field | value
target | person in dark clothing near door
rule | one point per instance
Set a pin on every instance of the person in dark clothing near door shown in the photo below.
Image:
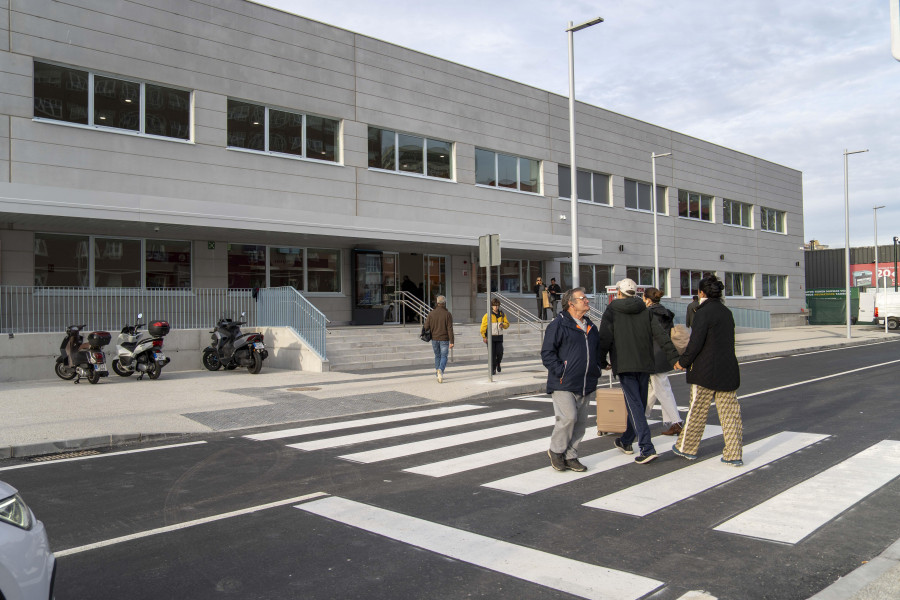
(543, 298)
(714, 375)
(571, 353)
(409, 287)
(691, 311)
(555, 293)
(627, 332)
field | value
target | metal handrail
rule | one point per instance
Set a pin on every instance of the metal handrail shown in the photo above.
(287, 307)
(408, 300)
(521, 314)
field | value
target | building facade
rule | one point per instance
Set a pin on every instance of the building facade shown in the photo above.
(189, 144)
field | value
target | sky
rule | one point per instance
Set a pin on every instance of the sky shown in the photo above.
(794, 82)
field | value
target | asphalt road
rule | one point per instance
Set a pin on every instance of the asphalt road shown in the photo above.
(231, 516)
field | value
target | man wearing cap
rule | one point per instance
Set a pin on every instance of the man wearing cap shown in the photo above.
(627, 333)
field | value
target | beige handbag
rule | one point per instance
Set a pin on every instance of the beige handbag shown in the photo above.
(546, 298)
(680, 335)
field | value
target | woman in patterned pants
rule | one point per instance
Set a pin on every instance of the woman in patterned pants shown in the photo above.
(714, 375)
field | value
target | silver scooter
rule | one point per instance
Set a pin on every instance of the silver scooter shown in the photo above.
(141, 351)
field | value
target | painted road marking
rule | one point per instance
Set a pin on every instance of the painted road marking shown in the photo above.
(549, 570)
(310, 429)
(186, 524)
(795, 513)
(481, 459)
(380, 434)
(401, 450)
(658, 493)
(105, 455)
(546, 478)
(784, 387)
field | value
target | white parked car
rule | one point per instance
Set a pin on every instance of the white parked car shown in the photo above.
(27, 566)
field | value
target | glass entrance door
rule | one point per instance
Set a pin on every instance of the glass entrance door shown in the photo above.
(390, 270)
(435, 267)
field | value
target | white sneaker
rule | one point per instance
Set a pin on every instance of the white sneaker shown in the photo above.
(440, 377)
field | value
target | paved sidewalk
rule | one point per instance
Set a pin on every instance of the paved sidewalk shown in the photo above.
(52, 416)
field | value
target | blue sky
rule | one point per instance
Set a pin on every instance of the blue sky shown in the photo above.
(792, 82)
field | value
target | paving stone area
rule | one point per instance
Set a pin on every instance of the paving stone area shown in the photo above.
(289, 407)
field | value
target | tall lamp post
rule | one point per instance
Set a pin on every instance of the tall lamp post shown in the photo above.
(576, 268)
(847, 234)
(875, 220)
(896, 241)
(653, 157)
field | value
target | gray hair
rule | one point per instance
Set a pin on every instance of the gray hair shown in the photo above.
(567, 297)
(441, 300)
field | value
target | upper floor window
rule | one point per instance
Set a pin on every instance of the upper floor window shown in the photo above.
(692, 205)
(257, 127)
(771, 219)
(644, 276)
(690, 282)
(739, 285)
(86, 98)
(774, 286)
(737, 213)
(393, 151)
(592, 187)
(638, 197)
(512, 172)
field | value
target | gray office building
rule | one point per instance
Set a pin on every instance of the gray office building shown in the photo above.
(225, 144)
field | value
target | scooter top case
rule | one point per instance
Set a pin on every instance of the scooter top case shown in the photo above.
(98, 339)
(159, 328)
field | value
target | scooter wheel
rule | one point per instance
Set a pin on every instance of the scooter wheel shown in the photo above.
(120, 371)
(211, 361)
(255, 363)
(94, 377)
(153, 371)
(64, 371)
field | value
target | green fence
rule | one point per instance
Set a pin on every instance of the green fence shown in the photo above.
(828, 306)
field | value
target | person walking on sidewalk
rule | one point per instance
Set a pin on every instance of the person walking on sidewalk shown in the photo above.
(440, 323)
(571, 354)
(714, 375)
(499, 322)
(627, 332)
(659, 380)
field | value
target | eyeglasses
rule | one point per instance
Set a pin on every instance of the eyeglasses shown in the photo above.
(585, 298)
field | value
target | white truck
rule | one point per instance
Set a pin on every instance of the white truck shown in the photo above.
(887, 306)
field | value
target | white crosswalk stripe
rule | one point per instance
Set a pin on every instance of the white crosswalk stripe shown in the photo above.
(658, 493)
(792, 515)
(542, 568)
(380, 434)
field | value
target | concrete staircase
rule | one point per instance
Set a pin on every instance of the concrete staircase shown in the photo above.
(387, 347)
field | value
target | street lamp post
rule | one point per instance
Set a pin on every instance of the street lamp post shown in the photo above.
(896, 240)
(875, 219)
(576, 275)
(847, 235)
(653, 157)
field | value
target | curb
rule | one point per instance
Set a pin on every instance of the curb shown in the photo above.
(90, 443)
(862, 583)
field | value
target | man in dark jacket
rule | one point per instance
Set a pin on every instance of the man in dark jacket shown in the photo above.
(571, 354)
(627, 332)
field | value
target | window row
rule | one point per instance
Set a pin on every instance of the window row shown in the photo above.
(305, 269)
(506, 171)
(511, 277)
(404, 153)
(264, 129)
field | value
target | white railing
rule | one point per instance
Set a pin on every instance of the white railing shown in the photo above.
(286, 307)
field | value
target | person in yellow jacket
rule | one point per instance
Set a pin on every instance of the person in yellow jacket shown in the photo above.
(499, 322)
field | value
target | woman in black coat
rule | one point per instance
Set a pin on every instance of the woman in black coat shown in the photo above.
(714, 375)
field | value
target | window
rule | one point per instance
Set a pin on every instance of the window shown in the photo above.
(593, 278)
(638, 197)
(774, 286)
(510, 277)
(694, 206)
(246, 266)
(84, 98)
(690, 282)
(644, 276)
(405, 153)
(263, 129)
(324, 270)
(286, 267)
(592, 187)
(511, 172)
(739, 285)
(771, 219)
(105, 262)
(737, 213)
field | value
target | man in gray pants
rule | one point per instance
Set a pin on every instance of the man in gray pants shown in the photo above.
(571, 353)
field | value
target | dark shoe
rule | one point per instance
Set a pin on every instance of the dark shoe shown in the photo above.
(557, 460)
(626, 449)
(675, 429)
(498, 368)
(683, 454)
(573, 465)
(645, 458)
(733, 463)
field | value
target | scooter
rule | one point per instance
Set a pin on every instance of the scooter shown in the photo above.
(230, 348)
(141, 351)
(78, 359)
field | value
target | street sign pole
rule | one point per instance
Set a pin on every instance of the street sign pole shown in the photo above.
(489, 256)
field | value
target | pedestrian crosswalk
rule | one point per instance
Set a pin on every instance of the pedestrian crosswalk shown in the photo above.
(467, 439)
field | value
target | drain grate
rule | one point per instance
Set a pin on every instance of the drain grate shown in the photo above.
(78, 454)
(304, 389)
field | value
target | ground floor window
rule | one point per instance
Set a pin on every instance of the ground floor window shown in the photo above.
(255, 265)
(62, 260)
(510, 277)
(690, 282)
(739, 285)
(593, 278)
(644, 276)
(774, 286)
(324, 270)
(246, 266)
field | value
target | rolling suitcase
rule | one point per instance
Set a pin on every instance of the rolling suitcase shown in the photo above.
(612, 416)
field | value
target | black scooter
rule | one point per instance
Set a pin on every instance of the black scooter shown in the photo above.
(230, 348)
(78, 359)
